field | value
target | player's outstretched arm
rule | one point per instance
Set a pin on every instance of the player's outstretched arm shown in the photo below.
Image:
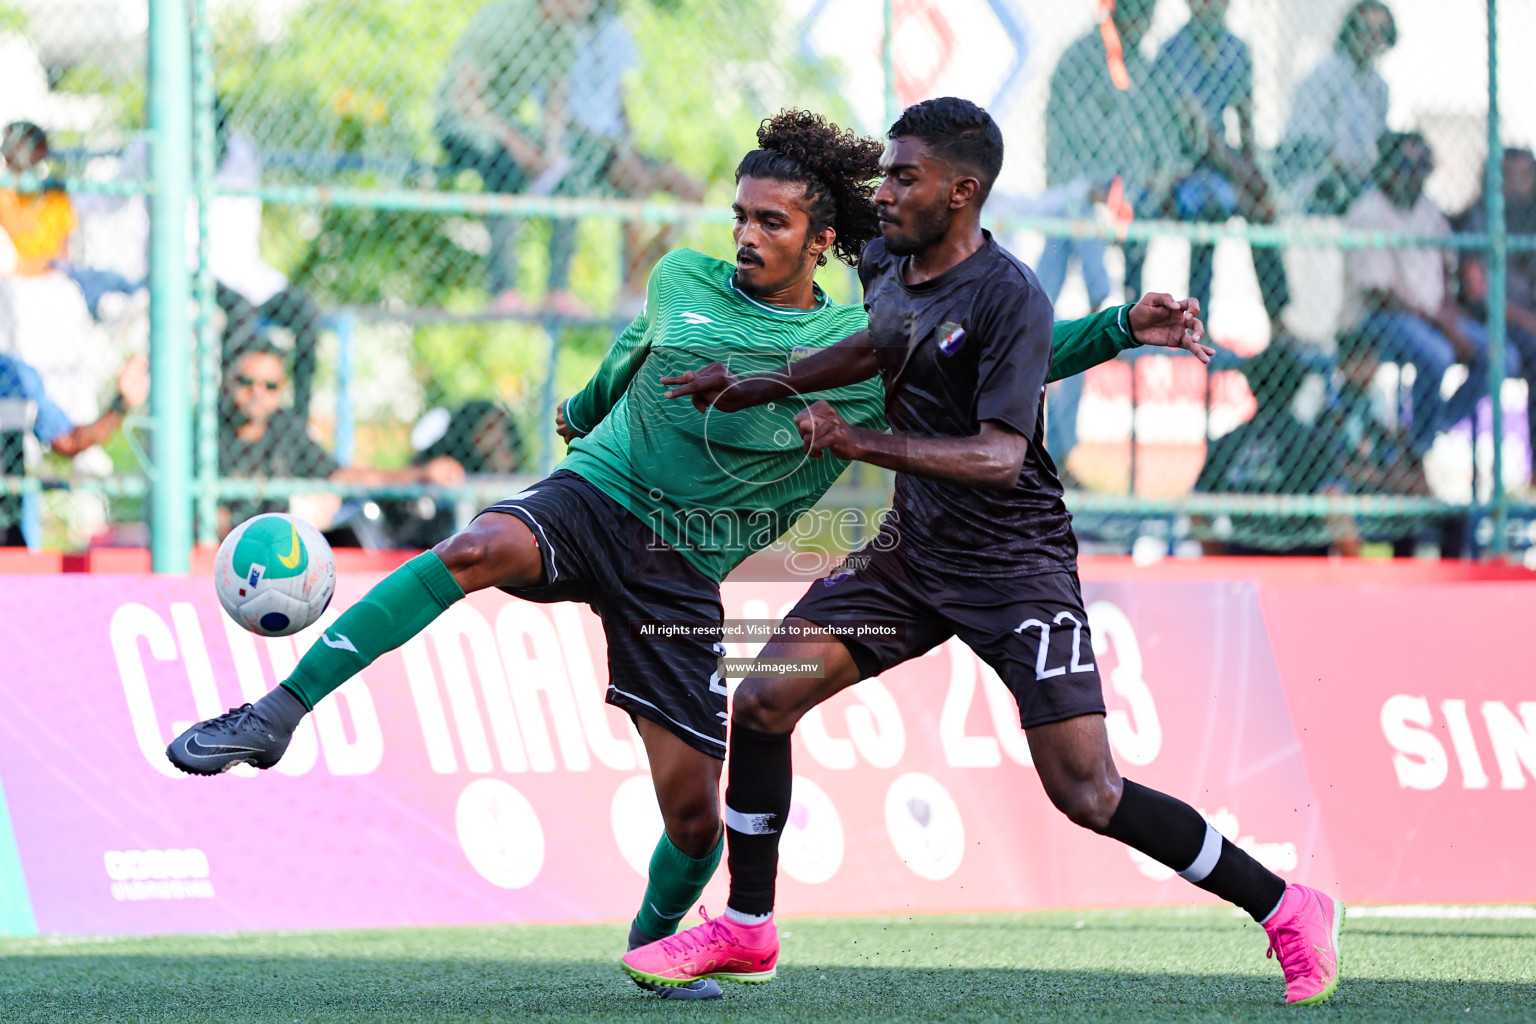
(991, 458)
(715, 386)
(1158, 319)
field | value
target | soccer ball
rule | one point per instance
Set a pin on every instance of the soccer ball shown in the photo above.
(274, 574)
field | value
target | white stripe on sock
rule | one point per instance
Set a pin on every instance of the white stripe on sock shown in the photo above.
(1205, 861)
(749, 824)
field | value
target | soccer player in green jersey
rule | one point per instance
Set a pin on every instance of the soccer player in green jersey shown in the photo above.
(655, 504)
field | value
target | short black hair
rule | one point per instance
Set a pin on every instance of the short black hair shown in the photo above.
(19, 133)
(1354, 24)
(837, 167)
(1389, 154)
(257, 346)
(959, 133)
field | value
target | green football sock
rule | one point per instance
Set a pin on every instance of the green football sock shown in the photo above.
(403, 604)
(677, 881)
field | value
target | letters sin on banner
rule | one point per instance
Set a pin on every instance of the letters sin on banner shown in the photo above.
(476, 776)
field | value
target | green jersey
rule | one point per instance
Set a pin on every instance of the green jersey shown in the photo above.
(719, 486)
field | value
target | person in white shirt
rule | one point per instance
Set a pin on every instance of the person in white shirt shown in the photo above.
(1340, 111)
(1400, 298)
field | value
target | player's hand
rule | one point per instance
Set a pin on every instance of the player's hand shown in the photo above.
(561, 427)
(822, 428)
(133, 381)
(1161, 320)
(708, 387)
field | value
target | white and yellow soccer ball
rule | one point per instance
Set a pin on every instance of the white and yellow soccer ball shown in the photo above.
(274, 574)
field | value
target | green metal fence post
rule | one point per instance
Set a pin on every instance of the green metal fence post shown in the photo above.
(888, 65)
(1498, 266)
(170, 129)
(209, 350)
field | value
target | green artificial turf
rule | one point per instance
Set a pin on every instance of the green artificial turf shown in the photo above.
(1142, 965)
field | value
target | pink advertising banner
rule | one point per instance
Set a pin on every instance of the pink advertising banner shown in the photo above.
(1376, 741)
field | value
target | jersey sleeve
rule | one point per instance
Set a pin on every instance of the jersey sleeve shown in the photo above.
(586, 409)
(50, 423)
(1015, 326)
(1077, 345)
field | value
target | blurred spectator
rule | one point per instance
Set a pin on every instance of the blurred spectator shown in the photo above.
(1206, 71)
(39, 223)
(481, 436)
(1301, 442)
(250, 291)
(1103, 121)
(502, 111)
(1340, 111)
(26, 408)
(263, 439)
(44, 321)
(1520, 276)
(1399, 298)
(1285, 448)
(601, 134)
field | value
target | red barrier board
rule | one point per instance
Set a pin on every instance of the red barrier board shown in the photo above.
(1376, 741)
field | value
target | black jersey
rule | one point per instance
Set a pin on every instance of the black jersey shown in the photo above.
(971, 345)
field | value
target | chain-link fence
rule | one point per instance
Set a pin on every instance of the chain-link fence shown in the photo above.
(416, 227)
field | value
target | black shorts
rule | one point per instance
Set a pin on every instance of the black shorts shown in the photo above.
(1032, 630)
(597, 552)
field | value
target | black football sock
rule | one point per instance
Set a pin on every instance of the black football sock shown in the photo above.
(1174, 834)
(756, 808)
(281, 709)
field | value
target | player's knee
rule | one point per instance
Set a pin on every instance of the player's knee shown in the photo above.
(462, 552)
(1089, 805)
(695, 827)
(755, 707)
(488, 554)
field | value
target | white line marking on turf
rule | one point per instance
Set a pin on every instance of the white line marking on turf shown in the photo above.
(1493, 913)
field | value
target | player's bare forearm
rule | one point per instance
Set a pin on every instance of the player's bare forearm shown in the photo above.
(82, 437)
(991, 458)
(848, 362)
(714, 386)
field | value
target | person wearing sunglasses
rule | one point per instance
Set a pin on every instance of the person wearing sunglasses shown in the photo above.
(261, 437)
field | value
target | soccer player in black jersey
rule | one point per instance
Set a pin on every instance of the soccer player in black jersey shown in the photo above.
(979, 546)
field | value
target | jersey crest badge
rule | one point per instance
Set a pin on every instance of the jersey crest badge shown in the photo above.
(951, 337)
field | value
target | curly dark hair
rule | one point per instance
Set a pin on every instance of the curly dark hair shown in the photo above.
(837, 167)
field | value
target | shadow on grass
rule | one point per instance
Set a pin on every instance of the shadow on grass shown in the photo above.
(141, 988)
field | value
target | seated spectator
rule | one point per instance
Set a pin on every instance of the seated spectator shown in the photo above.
(481, 436)
(1206, 72)
(1399, 297)
(39, 223)
(44, 321)
(501, 112)
(1520, 275)
(1340, 111)
(25, 407)
(263, 439)
(1300, 444)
